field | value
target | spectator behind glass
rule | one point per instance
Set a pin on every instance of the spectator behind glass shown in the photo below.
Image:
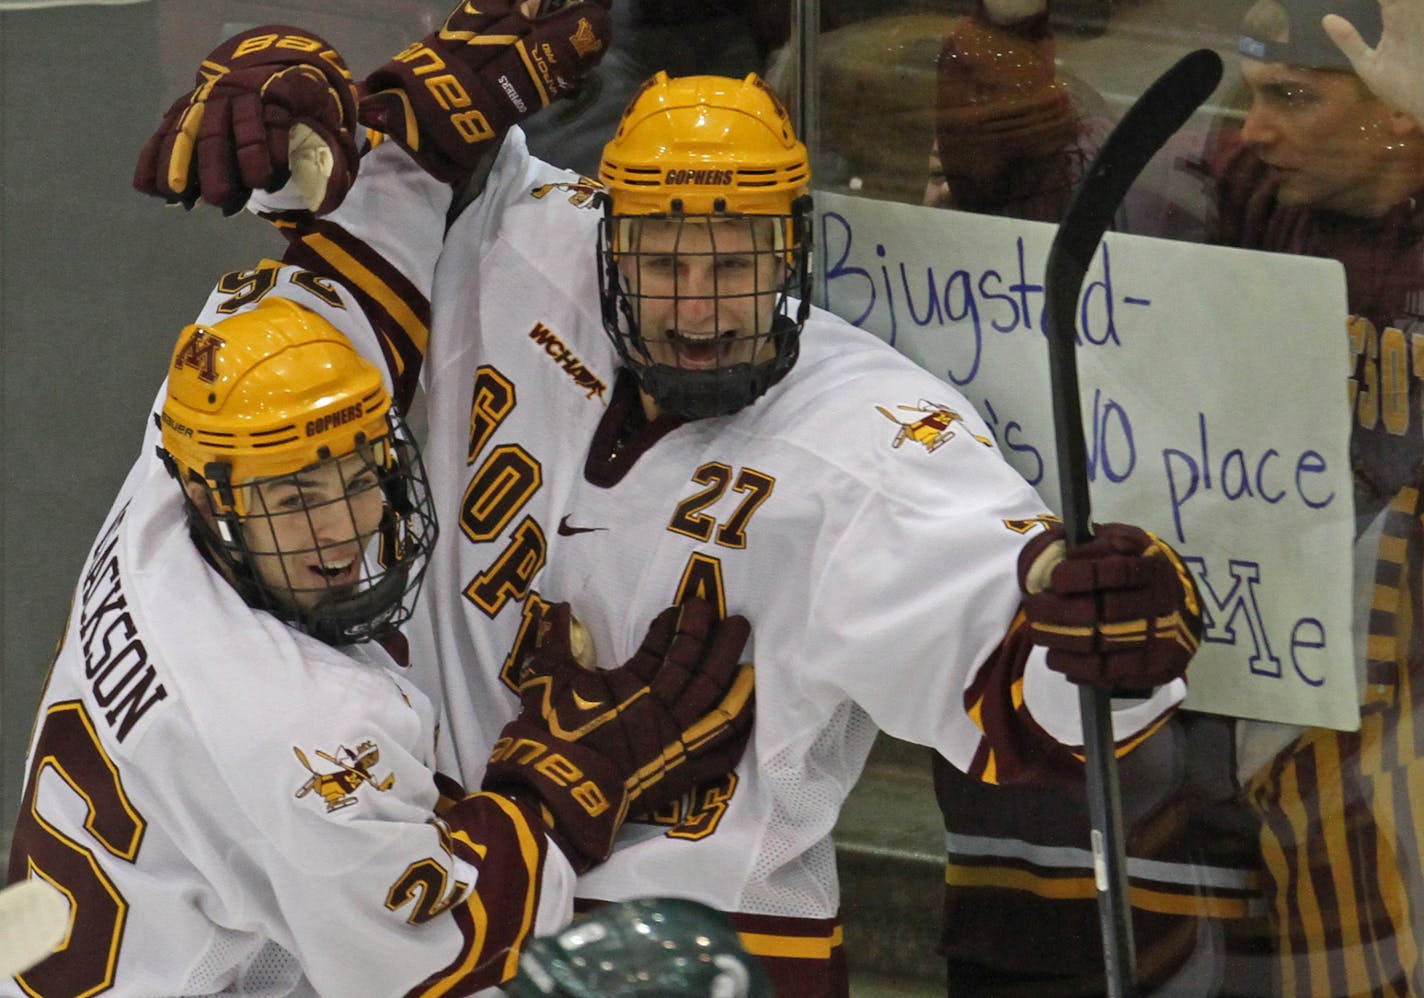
(1321, 166)
(1326, 168)
(1012, 135)
(876, 103)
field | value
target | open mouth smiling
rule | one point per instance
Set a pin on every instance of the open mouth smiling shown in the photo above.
(336, 572)
(700, 350)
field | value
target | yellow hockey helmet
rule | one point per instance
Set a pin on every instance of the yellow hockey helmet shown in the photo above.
(264, 393)
(705, 144)
(277, 398)
(689, 153)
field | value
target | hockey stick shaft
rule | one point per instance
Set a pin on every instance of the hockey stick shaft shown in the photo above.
(1161, 110)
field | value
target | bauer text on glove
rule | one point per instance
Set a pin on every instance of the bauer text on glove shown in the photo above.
(258, 95)
(446, 97)
(592, 746)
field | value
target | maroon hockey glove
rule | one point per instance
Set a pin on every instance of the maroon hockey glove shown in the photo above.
(593, 745)
(1118, 612)
(231, 135)
(445, 97)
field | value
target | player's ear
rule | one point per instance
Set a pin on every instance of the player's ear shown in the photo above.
(202, 499)
(198, 495)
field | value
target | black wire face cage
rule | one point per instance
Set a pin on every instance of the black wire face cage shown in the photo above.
(699, 306)
(338, 549)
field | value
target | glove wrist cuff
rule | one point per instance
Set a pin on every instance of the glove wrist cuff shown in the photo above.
(580, 793)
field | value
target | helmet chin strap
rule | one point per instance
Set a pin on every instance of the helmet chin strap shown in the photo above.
(719, 392)
(333, 620)
(701, 394)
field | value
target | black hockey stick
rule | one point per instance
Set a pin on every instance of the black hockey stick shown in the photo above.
(1149, 123)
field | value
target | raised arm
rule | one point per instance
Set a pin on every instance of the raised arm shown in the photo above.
(448, 97)
(277, 103)
(272, 124)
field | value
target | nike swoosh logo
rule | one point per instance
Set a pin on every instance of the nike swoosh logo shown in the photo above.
(565, 530)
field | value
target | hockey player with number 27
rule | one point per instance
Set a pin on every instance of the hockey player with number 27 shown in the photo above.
(232, 779)
(624, 380)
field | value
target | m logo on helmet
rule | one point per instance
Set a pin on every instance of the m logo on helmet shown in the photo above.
(779, 107)
(201, 354)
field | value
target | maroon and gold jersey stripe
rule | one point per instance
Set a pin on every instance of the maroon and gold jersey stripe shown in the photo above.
(1015, 747)
(396, 309)
(504, 843)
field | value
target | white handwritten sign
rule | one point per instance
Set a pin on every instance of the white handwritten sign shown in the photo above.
(1213, 384)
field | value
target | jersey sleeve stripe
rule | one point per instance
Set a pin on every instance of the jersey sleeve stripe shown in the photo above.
(499, 839)
(1015, 746)
(398, 311)
(531, 851)
(417, 329)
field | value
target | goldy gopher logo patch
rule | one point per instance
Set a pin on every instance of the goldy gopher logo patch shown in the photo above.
(580, 192)
(339, 788)
(932, 430)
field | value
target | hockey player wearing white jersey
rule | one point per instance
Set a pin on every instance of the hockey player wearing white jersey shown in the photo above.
(625, 382)
(232, 777)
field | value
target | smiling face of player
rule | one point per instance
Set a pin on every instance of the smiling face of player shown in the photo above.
(306, 533)
(1329, 143)
(704, 290)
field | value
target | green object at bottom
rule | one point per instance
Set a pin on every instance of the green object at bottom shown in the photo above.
(668, 947)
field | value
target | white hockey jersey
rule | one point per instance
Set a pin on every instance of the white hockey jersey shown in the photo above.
(234, 807)
(858, 515)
